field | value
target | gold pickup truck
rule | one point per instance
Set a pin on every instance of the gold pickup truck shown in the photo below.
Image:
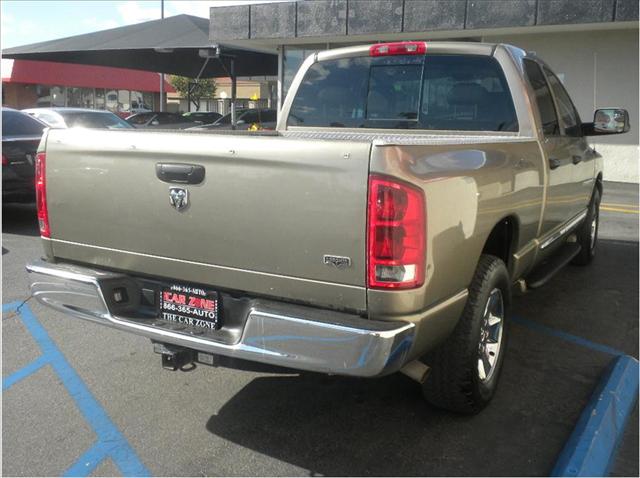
(407, 189)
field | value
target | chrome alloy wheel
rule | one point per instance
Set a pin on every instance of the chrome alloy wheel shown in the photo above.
(594, 229)
(490, 335)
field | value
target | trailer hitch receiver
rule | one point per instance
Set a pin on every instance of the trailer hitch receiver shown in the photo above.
(174, 357)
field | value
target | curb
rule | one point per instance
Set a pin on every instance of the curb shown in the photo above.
(592, 445)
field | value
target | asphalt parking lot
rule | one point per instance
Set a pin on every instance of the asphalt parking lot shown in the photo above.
(82, 399)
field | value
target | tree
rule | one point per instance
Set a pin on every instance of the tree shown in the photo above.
(192, 89)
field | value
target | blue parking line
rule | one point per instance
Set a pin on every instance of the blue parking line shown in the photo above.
(88, 461)
(10, 307)
(24, 372)
(566, 336)
(110, 443)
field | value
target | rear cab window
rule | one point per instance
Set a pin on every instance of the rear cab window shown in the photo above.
(15, 123)
(433, 92)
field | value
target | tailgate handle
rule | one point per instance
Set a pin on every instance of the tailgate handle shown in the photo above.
(180, 173)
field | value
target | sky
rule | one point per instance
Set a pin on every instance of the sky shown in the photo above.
(25, 22)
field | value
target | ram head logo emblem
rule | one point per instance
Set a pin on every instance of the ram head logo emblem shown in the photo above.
(179, 198)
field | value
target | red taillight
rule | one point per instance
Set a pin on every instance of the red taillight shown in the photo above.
(5, 160)
(399, 48)
(396, 234)
(41, 195)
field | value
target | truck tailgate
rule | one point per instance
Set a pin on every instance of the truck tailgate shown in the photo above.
(267, 212)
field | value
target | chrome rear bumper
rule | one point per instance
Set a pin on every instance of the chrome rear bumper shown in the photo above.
(275, 333)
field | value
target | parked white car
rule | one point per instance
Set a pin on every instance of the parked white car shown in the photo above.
(77, 118)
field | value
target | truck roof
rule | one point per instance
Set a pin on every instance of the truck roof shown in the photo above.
(453, 47)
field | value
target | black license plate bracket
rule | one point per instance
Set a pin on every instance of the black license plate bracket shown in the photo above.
(191, 306)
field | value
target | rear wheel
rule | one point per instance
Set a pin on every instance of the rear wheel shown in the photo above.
(466, 367)
(587, 233)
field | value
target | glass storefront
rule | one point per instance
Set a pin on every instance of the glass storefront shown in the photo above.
(87, 98)
(58, 96)
(100, 104)
(147, 101)
(136, 100)
(124, 100)
(74, 98)
(98, 98)
(112, 100)
(44, 96)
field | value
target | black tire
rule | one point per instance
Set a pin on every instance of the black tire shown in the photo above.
(583, 233)
(454, 381)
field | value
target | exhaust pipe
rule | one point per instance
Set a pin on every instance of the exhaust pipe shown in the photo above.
(416, 370)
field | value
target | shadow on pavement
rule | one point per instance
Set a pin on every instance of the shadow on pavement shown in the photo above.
(20, 219)
(345, 426)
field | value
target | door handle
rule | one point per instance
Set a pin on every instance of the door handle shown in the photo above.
(575, 159)
(554, 163)
(180, 173)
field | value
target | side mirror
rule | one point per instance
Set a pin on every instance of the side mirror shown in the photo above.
(607, 121)
(240, 122)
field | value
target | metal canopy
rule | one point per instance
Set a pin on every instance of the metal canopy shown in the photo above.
(175, 45)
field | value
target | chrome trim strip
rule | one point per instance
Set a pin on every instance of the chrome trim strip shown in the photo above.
(566, 228)
(274, 333)
(213, 266)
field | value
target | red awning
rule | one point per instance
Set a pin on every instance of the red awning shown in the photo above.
(88, 76)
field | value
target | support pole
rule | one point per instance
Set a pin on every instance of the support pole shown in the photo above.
(233, 92)
(189, 97)
(162, 74)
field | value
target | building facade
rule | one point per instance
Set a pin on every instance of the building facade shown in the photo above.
(31, 84)
(592, 45)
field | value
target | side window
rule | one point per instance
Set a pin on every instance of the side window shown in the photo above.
(140, 119)
(544, 100)
(50, 119)
(169, 119)
(251, 117)
(269, 116)
(568, 113)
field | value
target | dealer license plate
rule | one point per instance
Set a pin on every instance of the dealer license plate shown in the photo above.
(189, 305)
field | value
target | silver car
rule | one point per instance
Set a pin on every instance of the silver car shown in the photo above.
(78, 118)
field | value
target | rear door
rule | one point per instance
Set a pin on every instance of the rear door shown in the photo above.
(21, 136)
(582, 157)
(263, 218)
(563, 197)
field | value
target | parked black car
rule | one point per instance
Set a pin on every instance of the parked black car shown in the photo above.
(160, 120)
(203, 117)
(21, 135)
(246, 119)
